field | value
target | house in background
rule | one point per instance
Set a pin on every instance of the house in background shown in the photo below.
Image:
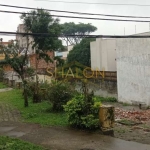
(6, 68)
(64, 54)
(103, 54)
(2, 55)
(22, 40)
(42, 64)
(22, 43)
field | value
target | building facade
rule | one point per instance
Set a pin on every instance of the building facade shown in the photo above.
(64, 54)
(22, 40)
(42, 65)
(103, 54)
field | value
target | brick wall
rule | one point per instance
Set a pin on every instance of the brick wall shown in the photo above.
(42, 65)
(7, 68)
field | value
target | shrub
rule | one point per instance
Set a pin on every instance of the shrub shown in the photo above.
(59, 93)
(42, 90)
(83, 112)
(103, 99)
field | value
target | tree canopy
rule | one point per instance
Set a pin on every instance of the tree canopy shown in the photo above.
(77, 29)
(40, 21)
(81, 53)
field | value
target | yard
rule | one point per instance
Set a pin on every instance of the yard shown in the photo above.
(7, 143)
(128, 125)
(36, 113)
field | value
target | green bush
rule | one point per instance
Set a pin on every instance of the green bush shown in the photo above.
(105, 99)
(83, 112)
(59, 93)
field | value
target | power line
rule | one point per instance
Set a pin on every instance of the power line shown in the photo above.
(104, 19)
(79, 13)
(83, 36)
(96, 3)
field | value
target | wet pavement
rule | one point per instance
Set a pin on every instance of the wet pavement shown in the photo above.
(61, 138)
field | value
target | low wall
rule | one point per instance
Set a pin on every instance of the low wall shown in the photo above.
(101, 88)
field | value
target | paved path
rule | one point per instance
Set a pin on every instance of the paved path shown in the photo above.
(60, 138)
(5, 90)
(8, 114)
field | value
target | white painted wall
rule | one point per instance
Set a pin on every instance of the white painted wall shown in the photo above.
(70, 47)
(133, 70)
(103, 54)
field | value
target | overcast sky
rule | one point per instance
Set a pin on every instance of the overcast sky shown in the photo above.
(9, 22)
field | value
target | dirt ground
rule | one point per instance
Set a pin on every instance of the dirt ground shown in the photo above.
(132, 123)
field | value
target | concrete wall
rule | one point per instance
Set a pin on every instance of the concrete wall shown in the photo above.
(133, 70)
(103, 54)
(101, 88)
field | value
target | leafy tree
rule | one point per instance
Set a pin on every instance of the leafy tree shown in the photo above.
(18, 63)
(81, 53)
(40, 21)
(76, 29)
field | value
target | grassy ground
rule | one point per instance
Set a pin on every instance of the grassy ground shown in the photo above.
(36, 113)
(7, 143)
(2, 86)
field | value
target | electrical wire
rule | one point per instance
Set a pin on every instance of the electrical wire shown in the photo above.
(96, 3)
(79, 13)
(83, 36)
(102, 19)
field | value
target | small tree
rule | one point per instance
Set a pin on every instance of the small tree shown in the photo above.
(18, 63)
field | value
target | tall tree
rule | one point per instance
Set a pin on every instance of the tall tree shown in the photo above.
(81, 53)
(76, 29)
(40, 21)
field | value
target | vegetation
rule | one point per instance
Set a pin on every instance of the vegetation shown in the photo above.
(2, 86)
(18, 63)
(105, 99)
(7, 143)
(59, 93)
(81, 53)
(76, 29)
(37, 113)
(40, 21)
(83, 112)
